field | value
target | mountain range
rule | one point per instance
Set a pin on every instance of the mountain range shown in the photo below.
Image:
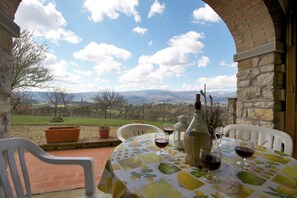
(147, 96)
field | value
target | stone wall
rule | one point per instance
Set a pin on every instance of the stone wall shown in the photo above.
(8, 30)
(257, 28)
(232, 102)
(5, 69)
(250, 22)
(259, 84)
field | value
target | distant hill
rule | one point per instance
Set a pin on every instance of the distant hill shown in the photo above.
(148, 96)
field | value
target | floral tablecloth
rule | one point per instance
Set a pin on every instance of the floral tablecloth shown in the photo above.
(134, 170)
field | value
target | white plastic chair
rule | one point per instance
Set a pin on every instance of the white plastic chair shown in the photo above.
(270, 138)
(131, 130)
(10, 147)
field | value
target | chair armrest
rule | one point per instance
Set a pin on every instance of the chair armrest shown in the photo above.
(85, 162)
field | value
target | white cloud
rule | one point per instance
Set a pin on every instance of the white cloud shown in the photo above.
(44, 20)
(230, 65)
(59, 70)
(105, 56)
(167, 62)
(203, 61)
(189, 87)
(67, 76)
(217, 83)
(111, 9)
(100, 80)
(233, 65)
(205, 14)
(151, 43)
(140, 31)
(156, 8)
(223, 63)
(82, 73)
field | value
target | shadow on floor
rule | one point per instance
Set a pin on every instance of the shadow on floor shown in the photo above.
(69, 193)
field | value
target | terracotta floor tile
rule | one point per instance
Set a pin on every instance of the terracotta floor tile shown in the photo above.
(47, 177)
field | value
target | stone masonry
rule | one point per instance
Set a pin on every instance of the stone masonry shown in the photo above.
(258, 85)
(8, 29)
(232, 102)
(4, 93)
(258, 30)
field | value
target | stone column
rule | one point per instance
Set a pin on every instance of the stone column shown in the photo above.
(8, 30)
(259, 81)
(5, 68)
(232, 110)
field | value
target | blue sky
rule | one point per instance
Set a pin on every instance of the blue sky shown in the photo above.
(127, 45)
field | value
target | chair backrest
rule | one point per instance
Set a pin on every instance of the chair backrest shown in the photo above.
(9, 163)
(270, 138)
(131, 130)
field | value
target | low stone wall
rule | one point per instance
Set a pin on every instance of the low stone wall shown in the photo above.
(108, 142)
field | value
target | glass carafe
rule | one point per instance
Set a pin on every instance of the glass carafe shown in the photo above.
(196, 136)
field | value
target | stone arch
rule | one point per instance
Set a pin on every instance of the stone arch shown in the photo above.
(259, 31)
(250, 22)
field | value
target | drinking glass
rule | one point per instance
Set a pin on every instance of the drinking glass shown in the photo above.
(219, 134)
(161, 141)
(210, 160)
(168, 128)
(245, 149)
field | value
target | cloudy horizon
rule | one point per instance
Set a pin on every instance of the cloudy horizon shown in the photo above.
(132, 45)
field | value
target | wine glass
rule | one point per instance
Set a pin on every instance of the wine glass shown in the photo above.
(219, 134)
(168, 128)
(245, 149)
(161, 141)
(210, 160)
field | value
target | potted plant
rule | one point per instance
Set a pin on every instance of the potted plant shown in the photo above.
(104, 131)
(62, 134)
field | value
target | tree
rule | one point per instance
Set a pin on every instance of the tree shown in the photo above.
(27, 69)
(66, 98)
(21, 100)
(107, 99)
(54, 98)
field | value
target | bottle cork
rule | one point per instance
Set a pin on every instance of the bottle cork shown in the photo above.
(197, 103)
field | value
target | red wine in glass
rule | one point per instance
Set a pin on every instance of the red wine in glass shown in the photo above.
(168, 130)
(244, 152)
(210, 162)
(244, 149)
(161, 143)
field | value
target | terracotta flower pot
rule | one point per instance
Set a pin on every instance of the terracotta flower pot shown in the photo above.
(104, 132)
(62, 134)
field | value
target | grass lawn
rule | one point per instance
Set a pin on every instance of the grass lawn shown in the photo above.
(32, 127)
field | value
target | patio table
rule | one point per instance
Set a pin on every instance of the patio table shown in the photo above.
(135, 170)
